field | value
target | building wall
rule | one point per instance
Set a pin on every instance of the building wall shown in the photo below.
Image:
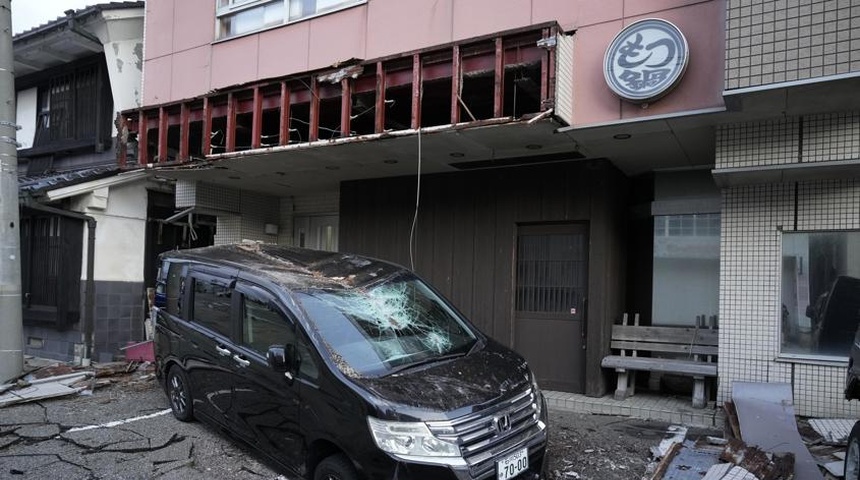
(180, 46)
(465, 237)
(774, 41)
(753, 219)
(26, 103)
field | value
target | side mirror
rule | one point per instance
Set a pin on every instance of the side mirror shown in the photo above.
(282, 358)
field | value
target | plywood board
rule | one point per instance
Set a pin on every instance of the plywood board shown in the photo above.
(767, 420)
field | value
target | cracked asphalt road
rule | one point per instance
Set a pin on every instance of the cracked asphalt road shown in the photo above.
(125, 431)
(49, 439)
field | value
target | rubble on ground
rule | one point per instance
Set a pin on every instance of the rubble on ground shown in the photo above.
(43, 380)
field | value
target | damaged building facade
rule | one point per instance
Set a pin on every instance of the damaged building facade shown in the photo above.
(87, 247)
(548, 166)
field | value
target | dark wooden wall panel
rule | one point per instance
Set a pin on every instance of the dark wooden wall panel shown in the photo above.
(466, 236)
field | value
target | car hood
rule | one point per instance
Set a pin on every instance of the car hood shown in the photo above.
(469, 382)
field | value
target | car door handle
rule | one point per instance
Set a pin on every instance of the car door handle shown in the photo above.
(222, 351)
(241, 361)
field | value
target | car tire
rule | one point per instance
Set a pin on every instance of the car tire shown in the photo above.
(179, 394)
(852, 455)
(335, 467)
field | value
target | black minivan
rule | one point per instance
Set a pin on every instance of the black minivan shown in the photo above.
(342, 367)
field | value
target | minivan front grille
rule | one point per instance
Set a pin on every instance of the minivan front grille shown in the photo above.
(484, 435)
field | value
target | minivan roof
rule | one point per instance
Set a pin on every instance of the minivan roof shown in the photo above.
(293, 268)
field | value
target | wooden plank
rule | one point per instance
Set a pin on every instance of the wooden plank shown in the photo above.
(162, 135)
(231, 123)
(688, 335)
(685, 367)
(684, 348)
(142, 140)
(314, 133)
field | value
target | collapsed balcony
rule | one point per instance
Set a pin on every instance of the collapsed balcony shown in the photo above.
(497, 79)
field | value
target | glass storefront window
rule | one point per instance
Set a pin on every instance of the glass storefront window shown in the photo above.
(686, 268)
(820, 292)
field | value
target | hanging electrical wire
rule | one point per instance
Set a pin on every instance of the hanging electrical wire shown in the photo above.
(417, 195)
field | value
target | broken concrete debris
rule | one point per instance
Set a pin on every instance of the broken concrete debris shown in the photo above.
(58, 380)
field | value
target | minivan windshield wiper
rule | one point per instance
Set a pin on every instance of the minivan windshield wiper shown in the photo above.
(422, 362)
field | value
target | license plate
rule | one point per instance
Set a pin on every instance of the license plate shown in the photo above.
(513, 465)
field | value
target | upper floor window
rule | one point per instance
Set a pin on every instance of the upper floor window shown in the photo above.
(237, 17)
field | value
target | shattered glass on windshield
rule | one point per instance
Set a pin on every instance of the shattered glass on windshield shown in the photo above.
(387, 326)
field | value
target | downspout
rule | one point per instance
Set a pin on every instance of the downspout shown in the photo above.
(89, 296)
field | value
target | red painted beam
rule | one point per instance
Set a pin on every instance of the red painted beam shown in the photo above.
(284, 135)
(456, 85)
(231, 123)
(345, 107)
(162, 135)
(184, 116)
(257, 119)
(314, 133)
(122, 139)
(206, 146)
(379, 114)
(499, 80)
(416, 91)
(142, 134)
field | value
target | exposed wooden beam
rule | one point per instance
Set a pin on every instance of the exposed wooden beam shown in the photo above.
(379, 114)
(345, 107)
(544, 73)
(416, 91)
(230, 145)
(122, 138)
(284, 135)
(162, 135)
(206, 138)
(257, 119)
(314, 133)
(499, 82)
(184, 134)
(142, 134)
(456, 84)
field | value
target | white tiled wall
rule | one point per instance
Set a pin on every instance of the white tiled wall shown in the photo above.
(752, 220)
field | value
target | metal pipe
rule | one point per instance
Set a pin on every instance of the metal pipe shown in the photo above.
(89, 296)
(11, 326)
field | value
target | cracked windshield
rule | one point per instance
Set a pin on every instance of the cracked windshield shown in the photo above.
(383, 328)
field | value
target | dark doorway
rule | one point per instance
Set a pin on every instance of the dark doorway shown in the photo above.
(550, 302)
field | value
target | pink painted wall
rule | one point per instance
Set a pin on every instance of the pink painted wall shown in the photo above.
(181, 60)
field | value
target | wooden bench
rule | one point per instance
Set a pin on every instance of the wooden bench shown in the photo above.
(693, 353)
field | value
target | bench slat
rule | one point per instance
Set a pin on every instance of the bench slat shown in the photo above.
(682, 335)
(665, 347)
(669, 365)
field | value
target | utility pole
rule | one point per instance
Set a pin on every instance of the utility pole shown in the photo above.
(11, 328)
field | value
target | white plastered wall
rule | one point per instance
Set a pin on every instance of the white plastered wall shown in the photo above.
(120, 214)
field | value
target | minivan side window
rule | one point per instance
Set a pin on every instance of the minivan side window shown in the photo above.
(263, 325)
(212, 305)
(174, 289)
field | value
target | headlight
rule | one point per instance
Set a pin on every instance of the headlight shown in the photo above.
(406, 438)
(538, 399)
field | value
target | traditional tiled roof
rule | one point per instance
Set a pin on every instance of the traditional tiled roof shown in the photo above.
(80, 13)
(33, 185)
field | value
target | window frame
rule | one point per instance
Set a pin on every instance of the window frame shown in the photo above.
(798, 357)
(224, 12)
(190, 286)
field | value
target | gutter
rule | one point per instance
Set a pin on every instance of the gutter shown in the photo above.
(89, 297)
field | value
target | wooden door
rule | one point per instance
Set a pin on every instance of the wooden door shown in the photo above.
(550, 302)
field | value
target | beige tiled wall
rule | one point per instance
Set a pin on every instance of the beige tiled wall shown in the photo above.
(774, 41)
(753, 219)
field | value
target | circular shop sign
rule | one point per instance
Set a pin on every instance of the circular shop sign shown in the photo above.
(645, 60)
